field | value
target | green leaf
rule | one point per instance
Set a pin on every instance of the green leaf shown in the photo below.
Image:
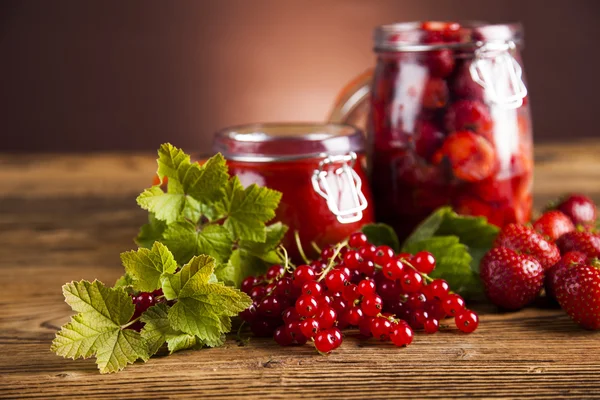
(429, 226)
(209, 185)
(240, 266)
(147, 266)
(453, 263)
(266, 250)
(185, 241)
(382, 234)
(97, 329)
(150, 232)
(248, 210)
(124, 281)
(184, 341)
(173, 283)
(165, 206)
(203, 307)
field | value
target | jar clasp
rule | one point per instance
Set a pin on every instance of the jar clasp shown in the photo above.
(341, 187)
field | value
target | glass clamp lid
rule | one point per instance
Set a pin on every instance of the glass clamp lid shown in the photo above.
(341, 187)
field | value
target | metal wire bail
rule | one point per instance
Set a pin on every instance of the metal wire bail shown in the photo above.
(334, 183)
(493, 67)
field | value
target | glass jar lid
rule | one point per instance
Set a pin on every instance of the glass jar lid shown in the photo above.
(287, 141)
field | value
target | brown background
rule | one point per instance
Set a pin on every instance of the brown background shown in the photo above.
(128, 75)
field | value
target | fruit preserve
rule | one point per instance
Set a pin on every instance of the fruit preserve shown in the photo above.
(449, 123)
(317, 168)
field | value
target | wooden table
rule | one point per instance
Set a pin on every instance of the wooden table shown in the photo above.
(67, 217)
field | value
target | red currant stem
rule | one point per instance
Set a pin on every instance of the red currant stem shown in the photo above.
(300, 249)
(391, 318)
(288, 266)
(239, 331)
(316, 247)
(162, 296)
(425, 276)
(336, 252)
(133, 321)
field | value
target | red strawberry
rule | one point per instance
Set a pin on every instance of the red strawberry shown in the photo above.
(471, 156)
(581, 209)
(553, 224)
(569, 260)
(511, 280)
(585, 242)
(523, 239)
(578, 293)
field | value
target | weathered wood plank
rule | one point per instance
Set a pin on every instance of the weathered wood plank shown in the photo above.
(67, 217)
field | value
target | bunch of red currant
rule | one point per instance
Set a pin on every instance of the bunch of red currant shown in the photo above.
(355, 284)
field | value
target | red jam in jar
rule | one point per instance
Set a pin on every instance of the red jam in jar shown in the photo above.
(449, 123)
(317, 168)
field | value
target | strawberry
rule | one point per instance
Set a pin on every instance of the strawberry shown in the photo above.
(523, 239)
(581, 209)
(569, 260)
(511, 280)
(553, 224)
(585, 242)
(578, 293)
(472, 158)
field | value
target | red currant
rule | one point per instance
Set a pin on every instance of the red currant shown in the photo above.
(307, 305)
(416, 301)
(435, 309)
(284, 287)
(367, 268)
(352, 259)
(453, 304)
(269, 306)
(290, 314)
(249, 314)
(366, 287)
(424, 262)
(294, 331)
(327, 317)
(354, 315)
(325, 341)
(264, 327)
(337, 336)
(258, 292)
(309, 327)
(303, 274)
(467, 321)
(371, 305)
(312, 288)
(383, 254)
(327, 253)
(431, 325)
(418, 318)
(393, 269)
(367, 252)
(274, 272)
(402, 334)
(389, 290)
(282, 336)
(380, 328)
(357, 239)
(339, 305)
(439, 288)
(336, 280)
(365, 326)
(248, 284)
(350, 293)
(411, 281)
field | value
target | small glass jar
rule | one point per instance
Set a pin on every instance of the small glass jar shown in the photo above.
(318, 168)
(449, 122)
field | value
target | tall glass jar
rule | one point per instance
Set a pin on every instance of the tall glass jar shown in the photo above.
(318, 168)
(449, 122)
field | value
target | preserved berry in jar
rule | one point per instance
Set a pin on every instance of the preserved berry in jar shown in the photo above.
(318, 168)
(449, 123)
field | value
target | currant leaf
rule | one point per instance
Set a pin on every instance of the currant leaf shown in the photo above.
(146, 266)
(185, 241)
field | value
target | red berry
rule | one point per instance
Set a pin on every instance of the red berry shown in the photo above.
(352, 259)
(553, 224)
(142, 302)
(274, 272)
(578, 293)
(339, 305)
(367, 268)
(366, 287)
(312, 288)
(569, 260)
(295, 332)
(367, 252)
(325, 341)
(249, 314)
(248, 284)
(453, 304)
(431, 325)
(471, 157)
(467, 321)
(303, 274)
(411, 281)
(327, 317)
(424, 262)
(418, 318)
(401, 334)
(327, 253)
(439, 288)
(284, 287)
(468, 115)
(365, 326)
(382, 255)
(435, 94)
(371, 305)
(337, 336)
(585, 242)
(525, 240)
(435, 309)
(290, 314)
(307, 306)
(264, 327)
(511, 280)
(393, 269)
(350, 293)
(258, 292)
(581, 209)
(354, 315)
(389, 290)
(282, 336)
(269, 306)
(357, 240)
(309, 327)
(381, 328)
(428, 139)
(416, 301)
(440, 62)
(336, 280)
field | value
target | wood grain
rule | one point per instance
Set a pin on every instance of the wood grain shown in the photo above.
(67, 217)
